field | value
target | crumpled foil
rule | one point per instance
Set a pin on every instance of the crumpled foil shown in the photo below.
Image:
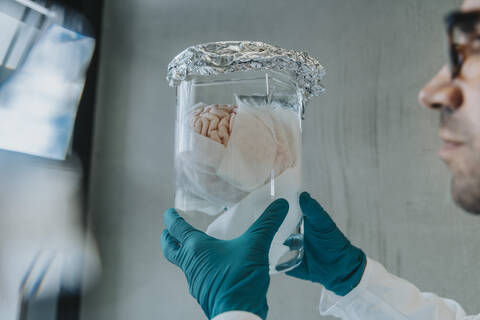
(231, 56)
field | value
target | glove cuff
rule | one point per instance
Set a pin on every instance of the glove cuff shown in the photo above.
(260, 308)
(242, 296)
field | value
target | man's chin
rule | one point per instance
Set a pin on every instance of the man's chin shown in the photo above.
(466, 196)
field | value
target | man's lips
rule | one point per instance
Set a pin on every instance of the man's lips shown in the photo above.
(450, 144)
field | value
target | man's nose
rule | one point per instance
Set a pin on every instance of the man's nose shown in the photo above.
(441, 92)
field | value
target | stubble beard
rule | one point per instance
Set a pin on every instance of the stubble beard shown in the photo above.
(465, 188)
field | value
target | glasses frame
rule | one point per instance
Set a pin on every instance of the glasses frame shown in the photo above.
(466, 22)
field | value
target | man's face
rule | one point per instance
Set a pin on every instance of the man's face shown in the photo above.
(458, 102)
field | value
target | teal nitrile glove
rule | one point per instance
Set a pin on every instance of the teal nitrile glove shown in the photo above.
(225, 275)
(329, 258)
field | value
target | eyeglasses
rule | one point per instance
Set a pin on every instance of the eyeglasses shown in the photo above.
(463, 29)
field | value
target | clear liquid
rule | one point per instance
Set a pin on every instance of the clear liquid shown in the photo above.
(293, 257)
(225, 190)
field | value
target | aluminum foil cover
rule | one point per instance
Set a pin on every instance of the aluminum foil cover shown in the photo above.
(231, 56)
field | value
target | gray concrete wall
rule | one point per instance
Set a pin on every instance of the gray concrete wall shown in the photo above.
(370, 150)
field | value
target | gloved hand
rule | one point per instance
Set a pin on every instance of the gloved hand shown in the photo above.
(329, 258)
(225, 275)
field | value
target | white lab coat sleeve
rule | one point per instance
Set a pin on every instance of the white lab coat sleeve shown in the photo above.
(237, 315)
(381, 295)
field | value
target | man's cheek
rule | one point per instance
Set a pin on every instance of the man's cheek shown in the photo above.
(467, 159)
(471, 70)
(475, 152)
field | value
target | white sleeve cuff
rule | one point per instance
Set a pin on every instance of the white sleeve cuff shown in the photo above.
(334, 305)
(237, 315)
(382, 295)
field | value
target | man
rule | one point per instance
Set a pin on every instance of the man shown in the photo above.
(230, 278)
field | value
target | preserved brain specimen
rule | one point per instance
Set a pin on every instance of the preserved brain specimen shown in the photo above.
(214, 122)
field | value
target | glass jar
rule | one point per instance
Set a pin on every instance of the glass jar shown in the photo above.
(239, 147)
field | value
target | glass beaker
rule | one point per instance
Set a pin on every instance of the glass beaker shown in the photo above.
(238, 147)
